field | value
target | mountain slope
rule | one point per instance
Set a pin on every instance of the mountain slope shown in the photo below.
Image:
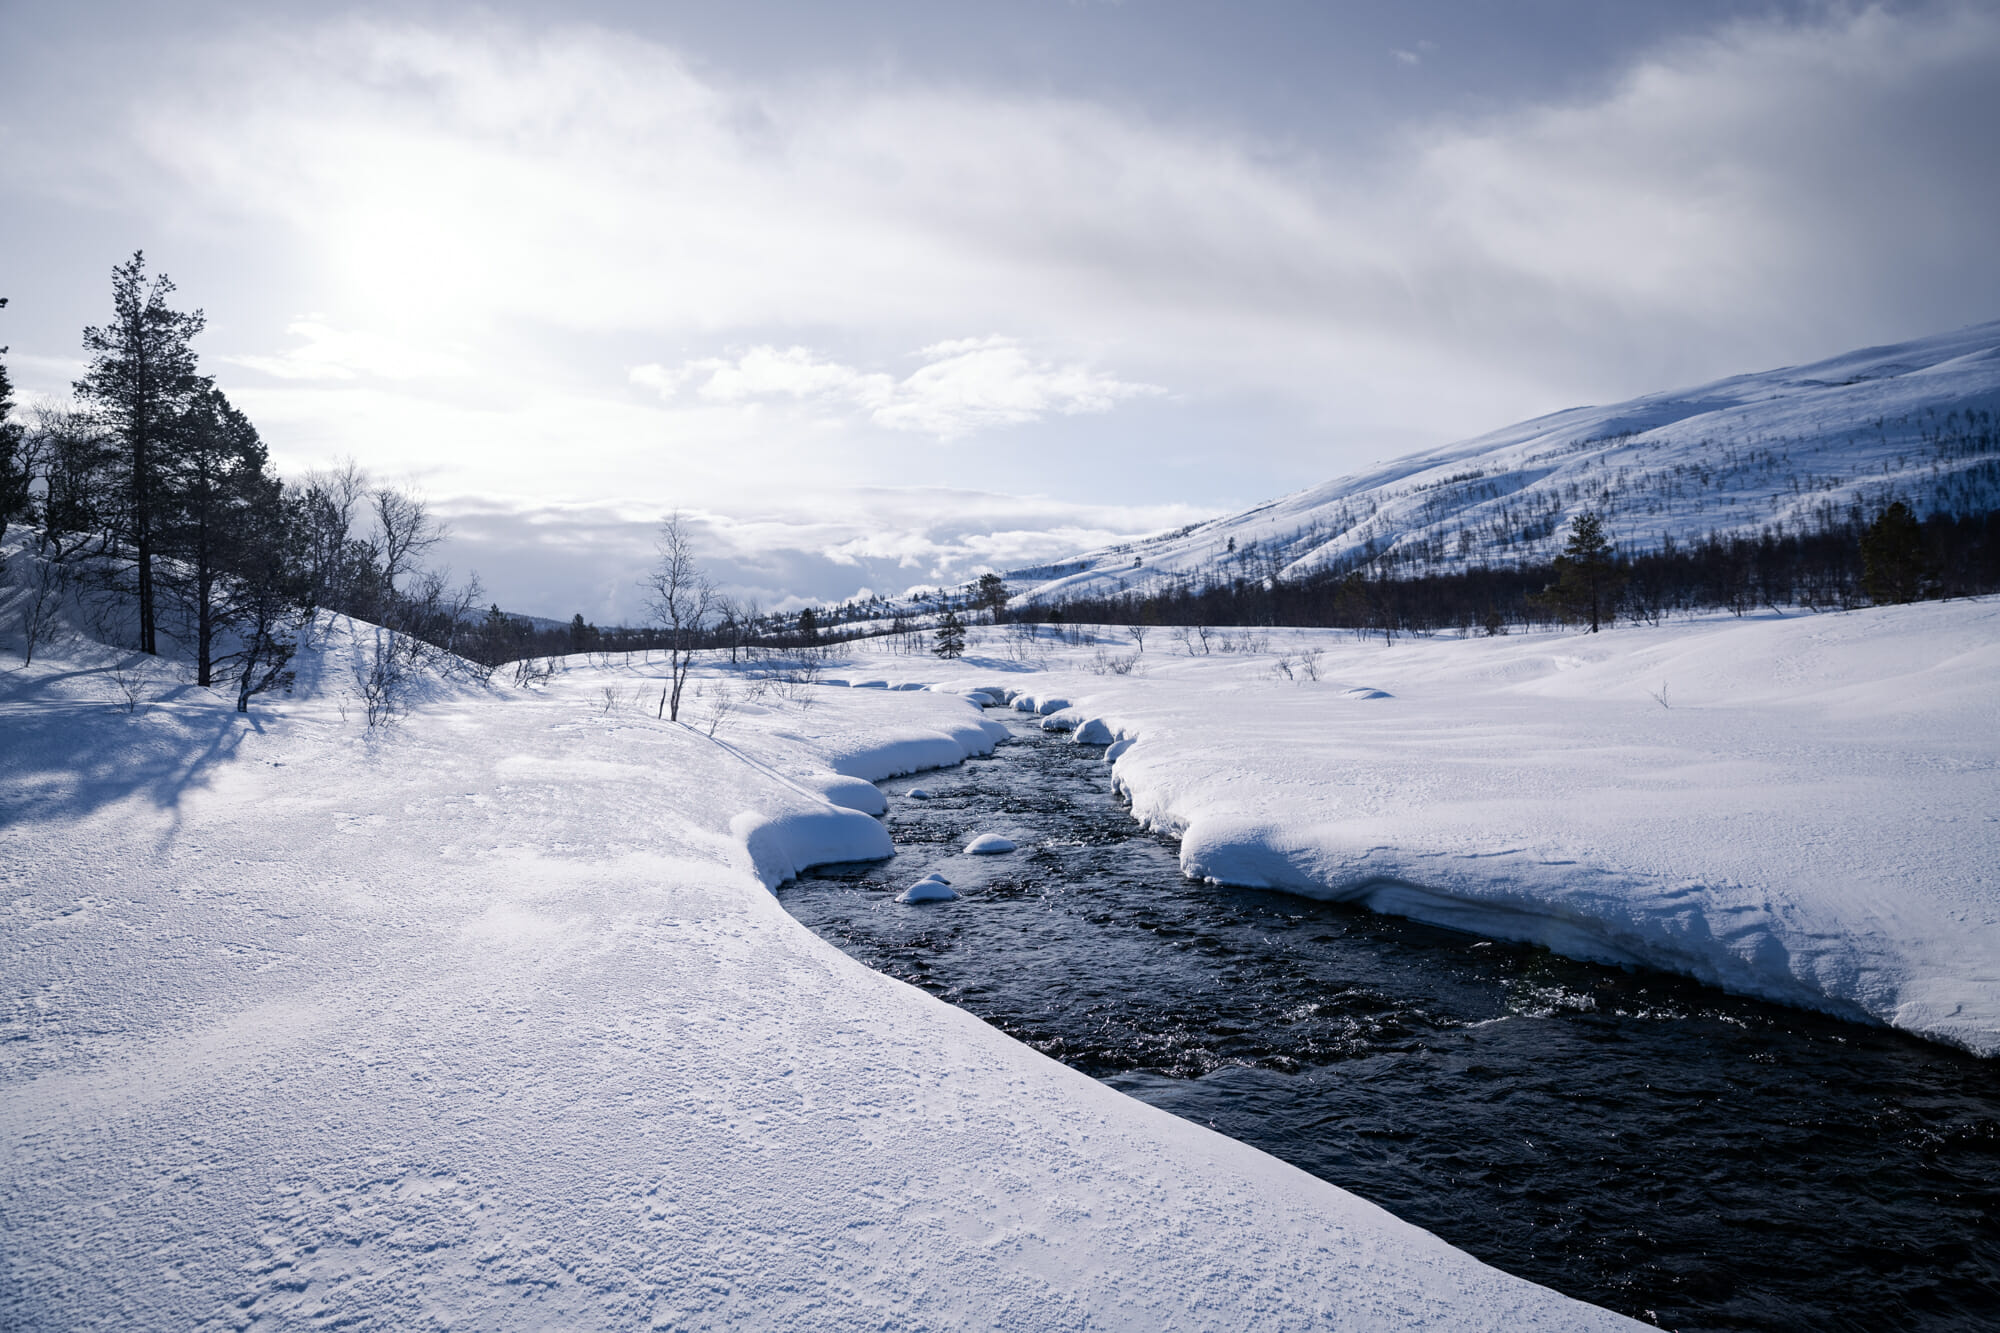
(1793, 449)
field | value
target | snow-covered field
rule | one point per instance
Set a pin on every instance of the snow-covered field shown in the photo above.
(487, 1020)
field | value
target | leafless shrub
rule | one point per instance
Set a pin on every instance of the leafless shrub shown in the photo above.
(382, 677)
(129, 688)
(533, 671)
(1309, 663)
(719, 701)
(682, 602)
(44, 585)
(1105, 664)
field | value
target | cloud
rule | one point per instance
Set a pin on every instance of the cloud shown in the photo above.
(561, 262)
(964, 385)
(558, 560)
(327, 353)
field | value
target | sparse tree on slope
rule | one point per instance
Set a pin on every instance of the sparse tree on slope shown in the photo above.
(1587, 580)
(13, 453)
(1892, 557)
(949, 636)
(141, 379)
(216, 479)
(271, 604)
(681, 601)
(405, 528)
(991, 593)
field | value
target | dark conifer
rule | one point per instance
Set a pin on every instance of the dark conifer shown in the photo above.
(271, 607)
(13, 457)
(140, 382)
(1892, 557)
(949, 636)
(1586, 586)
(215, 478)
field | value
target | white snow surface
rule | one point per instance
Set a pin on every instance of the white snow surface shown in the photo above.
(1913, 421)
(929, 889)
(488, 1020)
(1801, 807)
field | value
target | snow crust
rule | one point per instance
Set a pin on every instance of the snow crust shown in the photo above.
(488, 1021)
(1803, 807)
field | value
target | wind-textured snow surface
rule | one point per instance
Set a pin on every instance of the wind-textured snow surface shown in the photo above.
(1805, 807)
(487, 1020)
(1785, 449)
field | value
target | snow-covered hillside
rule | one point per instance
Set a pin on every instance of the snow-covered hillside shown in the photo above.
(1790, 448)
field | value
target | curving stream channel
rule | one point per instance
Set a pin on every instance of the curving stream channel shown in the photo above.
(1684, 1156)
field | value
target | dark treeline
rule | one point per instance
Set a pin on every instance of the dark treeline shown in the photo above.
(1824, 569)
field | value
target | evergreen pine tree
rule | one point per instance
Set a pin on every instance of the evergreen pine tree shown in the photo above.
(13, 459)
(949, 635)
(1587, 580)
(271, 606)
(215, 479)
(991, 593)
(140, 381)
(1892, 557)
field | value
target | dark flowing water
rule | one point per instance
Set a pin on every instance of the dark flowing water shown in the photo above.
(1652, 1145)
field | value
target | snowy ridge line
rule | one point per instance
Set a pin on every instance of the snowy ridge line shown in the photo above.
(1787, 449)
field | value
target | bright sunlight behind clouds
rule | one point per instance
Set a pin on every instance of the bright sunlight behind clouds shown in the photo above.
(549, 267)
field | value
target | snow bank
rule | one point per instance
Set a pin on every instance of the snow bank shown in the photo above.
(1805, 808)
(1093, 732)
(487, 1021)
(780, 846)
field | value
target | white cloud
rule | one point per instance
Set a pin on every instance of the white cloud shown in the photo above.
(964, 385)
(558, 560)
(327, 353)
(508, 228)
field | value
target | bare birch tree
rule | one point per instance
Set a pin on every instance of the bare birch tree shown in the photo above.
(681, 602)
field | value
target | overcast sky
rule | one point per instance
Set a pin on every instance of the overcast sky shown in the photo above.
(889, 293)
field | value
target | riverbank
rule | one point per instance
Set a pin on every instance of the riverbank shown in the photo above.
(488, 1019)
(1802, 808)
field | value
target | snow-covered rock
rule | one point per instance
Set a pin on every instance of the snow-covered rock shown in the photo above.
(1093, 732)
(929, 889)
(989, 844)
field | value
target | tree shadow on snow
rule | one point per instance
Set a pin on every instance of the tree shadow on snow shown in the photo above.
(65, 759)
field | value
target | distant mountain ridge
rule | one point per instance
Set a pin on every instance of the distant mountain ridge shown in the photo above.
(1787, 450)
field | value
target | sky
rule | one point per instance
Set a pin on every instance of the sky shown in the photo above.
(888, 294)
